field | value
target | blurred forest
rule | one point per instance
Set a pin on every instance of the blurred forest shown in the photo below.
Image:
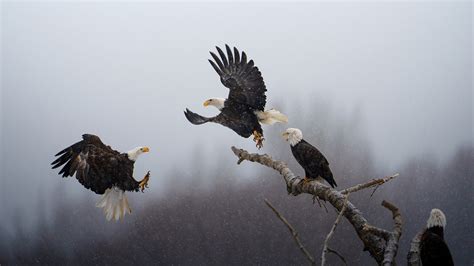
(210, 216)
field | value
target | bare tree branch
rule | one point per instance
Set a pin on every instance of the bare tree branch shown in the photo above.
(293, 232)
(373, 243)
(372, 183)
(394, 236)
(375, 189)
(328, 237)
(382, 233)
(413, 256)
(337, 254)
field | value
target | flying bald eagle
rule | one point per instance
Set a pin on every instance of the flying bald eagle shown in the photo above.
(433, 249)
(243, 110)
(311, 159)
(103, 170)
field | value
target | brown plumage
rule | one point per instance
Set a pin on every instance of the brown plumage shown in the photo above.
(97, 166)
(246, 95)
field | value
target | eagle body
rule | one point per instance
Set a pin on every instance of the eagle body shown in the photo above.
(433, 249)
(103, 170)
(313, 162)
(107, 170)
(97, 166)
(244, 108)
(240, 118)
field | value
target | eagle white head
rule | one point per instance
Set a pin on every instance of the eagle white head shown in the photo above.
(134, 153)
(437, 218)
(293, 136)
(216, 102)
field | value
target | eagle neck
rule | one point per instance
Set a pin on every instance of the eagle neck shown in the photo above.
(295, 140)
(437, 230)
(132, 155)
(219, 103)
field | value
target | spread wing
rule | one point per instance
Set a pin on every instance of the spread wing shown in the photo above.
(243, 79)
(239, 118)
(96, 166)
(196, 119)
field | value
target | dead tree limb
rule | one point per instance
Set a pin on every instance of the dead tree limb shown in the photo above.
(394, 236)
(374, 182)
(413, 257)
(293, 232)
(337, 254)
(374, 243)
(331, 232)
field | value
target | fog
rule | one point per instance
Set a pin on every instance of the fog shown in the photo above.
(389, 81)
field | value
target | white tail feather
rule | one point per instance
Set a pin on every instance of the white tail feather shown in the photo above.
(114, 202)
(271, 117)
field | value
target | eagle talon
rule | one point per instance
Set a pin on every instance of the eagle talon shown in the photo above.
(258, 138)
(144, 183)
(306, 180)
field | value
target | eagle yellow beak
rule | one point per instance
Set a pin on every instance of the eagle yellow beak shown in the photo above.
(146, 149)
(206, 103)
(285, 135)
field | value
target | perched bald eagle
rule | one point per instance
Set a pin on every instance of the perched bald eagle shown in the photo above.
(433, 249)
(311, 159)
(103, 170)
(243, 110)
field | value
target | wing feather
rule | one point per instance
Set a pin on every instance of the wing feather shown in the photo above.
(196, 119)
(236, 56)
(244, 80)
(216, 68)
(434, 250)
(244, 59)
(218, 61)
(313, 161)
(229, 55)
(223, 57)
(91, 161)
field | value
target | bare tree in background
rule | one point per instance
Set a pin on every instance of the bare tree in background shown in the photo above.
(381, 244)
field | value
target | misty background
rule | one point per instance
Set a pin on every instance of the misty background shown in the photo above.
(380, 88)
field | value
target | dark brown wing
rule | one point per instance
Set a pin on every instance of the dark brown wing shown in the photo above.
(242, 78)
(240, 118)
(434, 251)
(313, 162)
(196, 119)
(96, 166)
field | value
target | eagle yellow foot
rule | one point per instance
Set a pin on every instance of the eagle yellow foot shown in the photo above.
(258, 138)
(144, 183)
(306, 180)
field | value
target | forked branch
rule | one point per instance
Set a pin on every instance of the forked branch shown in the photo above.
(326, 248)
(381, 244)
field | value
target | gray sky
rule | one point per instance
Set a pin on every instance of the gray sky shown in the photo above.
(126, 71)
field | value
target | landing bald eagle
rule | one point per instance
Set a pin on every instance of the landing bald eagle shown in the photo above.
(311, 159)
(243, 110)
(103, 170)
(433, 249)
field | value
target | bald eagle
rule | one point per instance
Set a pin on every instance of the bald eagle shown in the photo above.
(103, 170)
(243, 110)
(311, 159)
(433, 249)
